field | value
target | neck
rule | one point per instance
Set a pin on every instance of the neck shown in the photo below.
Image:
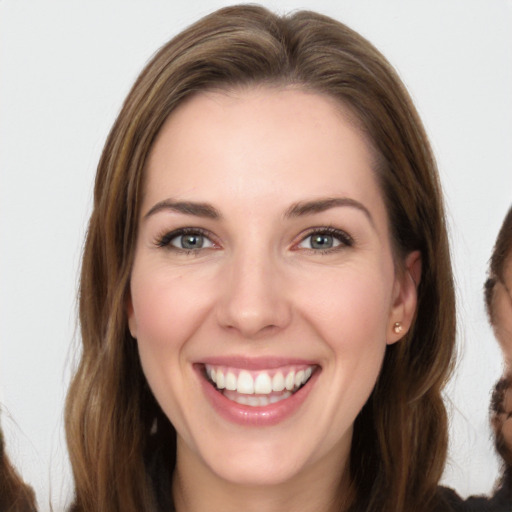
(322, 487)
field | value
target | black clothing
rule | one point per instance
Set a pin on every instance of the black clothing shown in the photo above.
(451, 502)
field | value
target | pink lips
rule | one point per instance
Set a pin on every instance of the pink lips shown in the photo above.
(259, 416)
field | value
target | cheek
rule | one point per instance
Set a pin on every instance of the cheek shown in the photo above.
(506, 432)
(507, 401)
(166, 307)
(349, 313)
(351, 309)
(351, 316)
(503, 324)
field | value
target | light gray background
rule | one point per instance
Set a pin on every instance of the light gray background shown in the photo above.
(65, 67)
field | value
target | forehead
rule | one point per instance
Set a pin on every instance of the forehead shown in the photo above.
(253, 110)
(258, 143)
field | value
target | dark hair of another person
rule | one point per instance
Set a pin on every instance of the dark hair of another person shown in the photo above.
(498, 417)
(400, 437)
(15, 495)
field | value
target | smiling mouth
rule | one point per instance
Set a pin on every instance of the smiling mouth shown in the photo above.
(258, 388)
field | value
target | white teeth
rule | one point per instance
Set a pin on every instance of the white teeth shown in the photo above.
(256, 401)
(278, 382)
(220, 380)
(298, 378)
(245, 383)
(263, 384)
(253, 401)
(231, 381)
(289, 382)
(242, 399)
(264, 400)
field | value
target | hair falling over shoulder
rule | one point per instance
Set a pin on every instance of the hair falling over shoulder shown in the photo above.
(115, 430)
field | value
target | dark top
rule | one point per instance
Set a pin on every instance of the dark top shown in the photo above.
(500, 502)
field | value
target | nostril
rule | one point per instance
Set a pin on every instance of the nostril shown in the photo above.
(252, 331)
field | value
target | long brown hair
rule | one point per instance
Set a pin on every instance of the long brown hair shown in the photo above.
(400, 436)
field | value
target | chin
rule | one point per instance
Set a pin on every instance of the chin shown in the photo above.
(264, 472)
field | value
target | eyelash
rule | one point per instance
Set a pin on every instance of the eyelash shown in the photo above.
(341, 236)
(345, 240)
(164, 240)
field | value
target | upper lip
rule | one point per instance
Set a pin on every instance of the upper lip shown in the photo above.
(255, 363)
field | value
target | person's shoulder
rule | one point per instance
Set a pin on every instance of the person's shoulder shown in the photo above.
(500, 502)
(449, 501)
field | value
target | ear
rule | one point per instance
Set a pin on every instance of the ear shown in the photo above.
(132, 323)
(405, 298)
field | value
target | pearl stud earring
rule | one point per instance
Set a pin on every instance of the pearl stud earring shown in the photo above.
(398, 328)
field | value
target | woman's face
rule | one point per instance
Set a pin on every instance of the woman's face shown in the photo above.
(263, 291)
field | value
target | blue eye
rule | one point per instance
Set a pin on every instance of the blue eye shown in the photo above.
(321, 241)
(325, 240)
(190, 241)
(185, 240)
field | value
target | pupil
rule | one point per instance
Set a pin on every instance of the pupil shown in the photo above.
(321, 242)
(192, 241)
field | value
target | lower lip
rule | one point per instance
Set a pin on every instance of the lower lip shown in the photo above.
(265, 416)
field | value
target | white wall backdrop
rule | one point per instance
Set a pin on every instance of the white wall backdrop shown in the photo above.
(65, 67)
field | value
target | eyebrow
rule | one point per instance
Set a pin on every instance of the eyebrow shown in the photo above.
(299, 209)
(186, 207)
(321, 205)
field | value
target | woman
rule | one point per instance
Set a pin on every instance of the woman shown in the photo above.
(266, 300)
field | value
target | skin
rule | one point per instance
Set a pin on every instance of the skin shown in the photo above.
(502, 314)
(258, 289)
(506, 428)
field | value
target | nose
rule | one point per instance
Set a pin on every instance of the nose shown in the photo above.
(253, 297)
